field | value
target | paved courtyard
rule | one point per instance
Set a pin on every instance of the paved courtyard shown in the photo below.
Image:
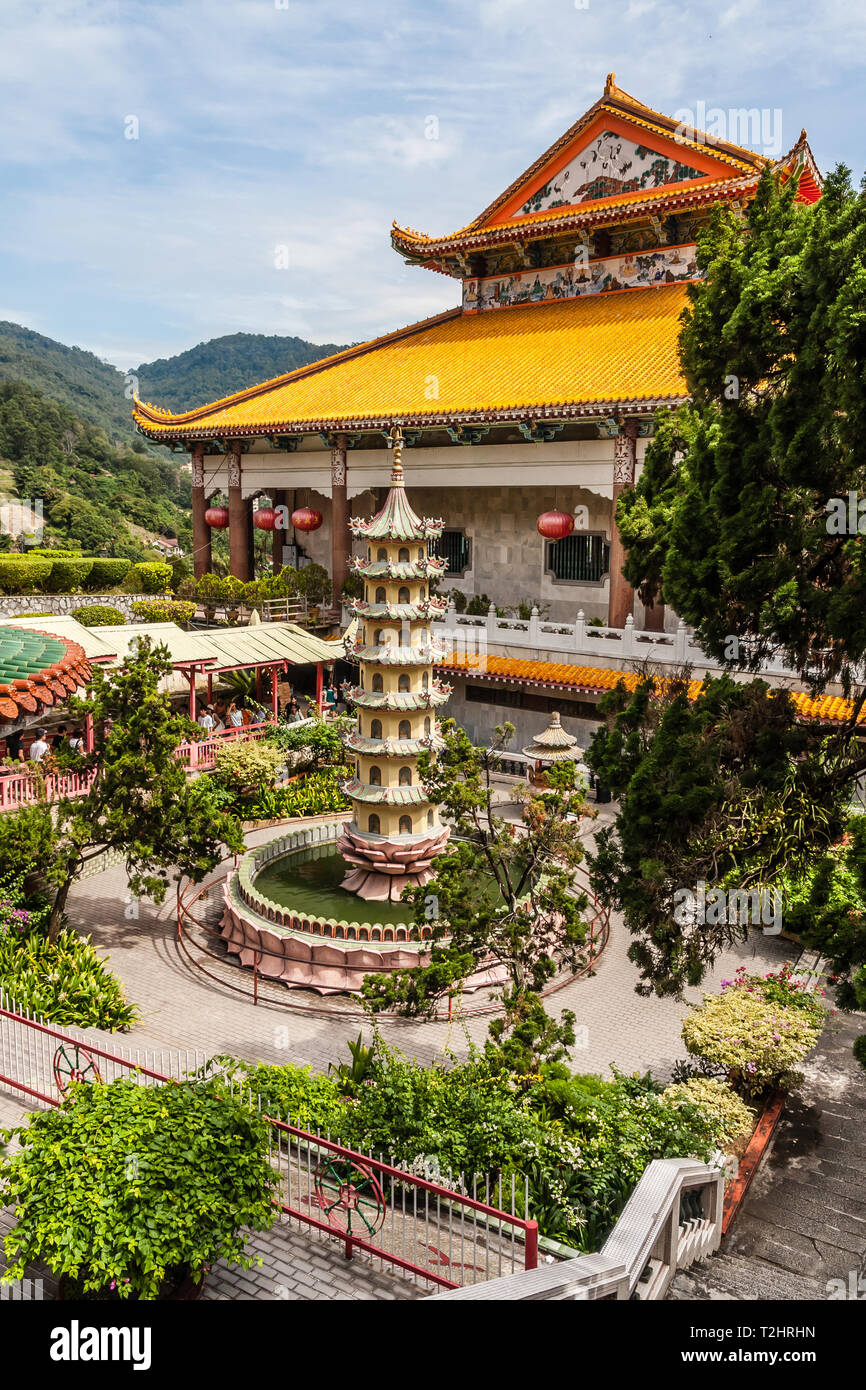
(182, 1008)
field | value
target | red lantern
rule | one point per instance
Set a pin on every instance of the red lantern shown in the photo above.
(555, 525)
(307, 519)
(218, 517)
(265, 518)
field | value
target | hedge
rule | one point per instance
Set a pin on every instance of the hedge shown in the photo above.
(163, 610)
(23, 576)
(68, 576)
(99, 615)
(107, 574)
(149, 577)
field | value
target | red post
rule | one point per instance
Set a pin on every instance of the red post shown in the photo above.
(275, 708)
(319, 686)
(209, 688)
(258, 682)
(531, 1247)
(191, 678)
(88, 732)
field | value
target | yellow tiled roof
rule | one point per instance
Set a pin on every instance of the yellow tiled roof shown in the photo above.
(597, 680)
(566, 357)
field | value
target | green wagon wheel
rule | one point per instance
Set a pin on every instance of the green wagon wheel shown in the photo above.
(74, 1063)
(349, 1194)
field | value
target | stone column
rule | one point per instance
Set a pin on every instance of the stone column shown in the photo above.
(238, 517)
(279, 537)
(201, 556)
(621, 601)
(339, 516)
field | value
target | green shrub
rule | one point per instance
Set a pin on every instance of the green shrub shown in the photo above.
(107, 574)
(314, 584)
(167, 610)
(149, 577)
(23, 575)
(126, 1186)
(248, 767)
(68, 575)
(64, 982)
(729, 1116)
(313, 795)
(321, 742)
(99, 615)
(757, 1042)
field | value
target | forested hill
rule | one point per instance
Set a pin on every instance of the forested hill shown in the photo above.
(93, 389)
(223, 365)
(95, 495)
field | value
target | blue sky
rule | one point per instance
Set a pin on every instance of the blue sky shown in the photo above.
(303, 124)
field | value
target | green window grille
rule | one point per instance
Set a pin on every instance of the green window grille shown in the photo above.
(579, 558)
(453, 547)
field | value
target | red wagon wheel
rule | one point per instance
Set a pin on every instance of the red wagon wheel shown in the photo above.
(350, 1196)
(74, 1063)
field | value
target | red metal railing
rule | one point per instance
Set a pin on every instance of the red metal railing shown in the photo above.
(25, 788)
(446, 1235)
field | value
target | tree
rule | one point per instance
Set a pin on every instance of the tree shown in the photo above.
(733, 518)
(500, 895)
(747, 519)
(140, 801)
(729, 791)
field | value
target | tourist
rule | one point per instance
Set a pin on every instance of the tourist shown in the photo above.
(236, 718)
(39, 747)
(206, 720)
(76, 743)
(14, 751)
(294, 714)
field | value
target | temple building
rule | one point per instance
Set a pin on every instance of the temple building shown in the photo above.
(537, 391)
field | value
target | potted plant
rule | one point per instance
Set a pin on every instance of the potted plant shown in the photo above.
(129, 1191)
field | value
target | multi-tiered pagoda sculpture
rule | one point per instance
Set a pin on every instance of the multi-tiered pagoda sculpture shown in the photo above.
(395, 832)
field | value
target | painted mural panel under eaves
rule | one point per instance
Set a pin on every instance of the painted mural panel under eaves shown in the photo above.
(667, 265)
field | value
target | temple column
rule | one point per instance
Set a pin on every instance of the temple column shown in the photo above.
(278, 536)
(339, 517)
(621, 600)
(238, 522)
(251, 538)
(201, 556)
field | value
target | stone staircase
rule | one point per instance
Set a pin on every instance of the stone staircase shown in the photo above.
(803, 1222)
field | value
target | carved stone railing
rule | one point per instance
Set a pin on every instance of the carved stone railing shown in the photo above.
(672, 1219)
(465, 636)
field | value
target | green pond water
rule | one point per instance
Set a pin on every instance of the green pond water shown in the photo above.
(308, 882)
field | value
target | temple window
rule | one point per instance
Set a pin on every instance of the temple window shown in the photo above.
(375, 776)
(455, 549)
(381, 553)
(379, 637)
(405, 825)
(403, 556)
(422, 591)
(376, 728)
(405, 730)
(378, 684)
(425, 680)
(420, 552)
(380, 594)
(427, 726)
(405, 776)
(403, 596)
(404, 683)
(579, 558)
(373, 825)
(429, 818)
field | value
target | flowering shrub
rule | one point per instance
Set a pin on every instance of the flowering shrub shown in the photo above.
(245, 768)
(754, 1037)
(729, 1117)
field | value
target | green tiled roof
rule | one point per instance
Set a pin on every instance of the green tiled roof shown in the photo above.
(24, 653)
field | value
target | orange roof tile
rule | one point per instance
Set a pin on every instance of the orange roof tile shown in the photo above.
(565, 357)
(597, 680)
